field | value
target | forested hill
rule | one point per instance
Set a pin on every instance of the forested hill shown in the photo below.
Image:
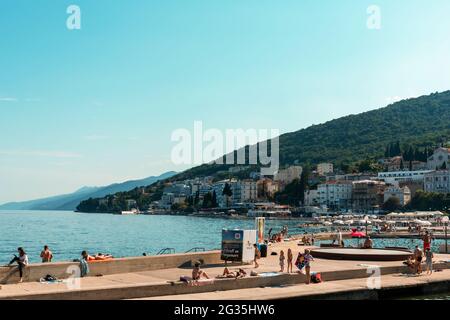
(420, 122)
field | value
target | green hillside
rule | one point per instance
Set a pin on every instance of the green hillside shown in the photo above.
(420, 122)
(414, 123)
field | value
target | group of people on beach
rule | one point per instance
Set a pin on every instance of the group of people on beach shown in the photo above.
(46, 255)
(303, 261)
(22, 259)
(415, 261)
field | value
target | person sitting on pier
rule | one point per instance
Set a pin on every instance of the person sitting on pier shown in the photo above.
(418, 256)
(22, 261)
(368, 244)
(197, 273)
(410, 264)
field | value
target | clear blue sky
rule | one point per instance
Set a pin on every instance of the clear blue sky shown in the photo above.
(98, 105)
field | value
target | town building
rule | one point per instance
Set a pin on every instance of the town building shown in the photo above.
(440, 159)
(394, 177)
(437, 181)
(395, 164)
(312, 198)
(335, 194)
(266, 188)
(368, 195)
(324, 168)
(248, 190)
(286, 176)
(402, 194)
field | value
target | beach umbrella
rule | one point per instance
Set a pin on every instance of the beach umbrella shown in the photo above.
(358, 234)
(392, 214)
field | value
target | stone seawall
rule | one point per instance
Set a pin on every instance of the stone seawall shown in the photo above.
(63, 270)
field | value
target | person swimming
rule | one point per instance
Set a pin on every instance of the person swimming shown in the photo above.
(46, 255)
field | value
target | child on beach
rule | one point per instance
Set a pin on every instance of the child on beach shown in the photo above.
(290, 257)
(308, 259)
(429, 260)
(257, 255)
(282, 259)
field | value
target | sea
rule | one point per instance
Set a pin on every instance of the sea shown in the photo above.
(67, 233)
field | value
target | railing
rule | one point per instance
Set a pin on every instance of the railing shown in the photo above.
(166, 251)
(195, 249)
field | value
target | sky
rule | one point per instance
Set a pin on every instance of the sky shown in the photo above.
(98, 105)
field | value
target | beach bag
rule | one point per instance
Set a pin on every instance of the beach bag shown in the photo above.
(49, 277)
(316, 278)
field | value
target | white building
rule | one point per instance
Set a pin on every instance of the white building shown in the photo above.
(395, 177)
(439, 157)
(437, 181)
(249, 190)
(324, 168)
(402, 194)
(335, 194)
(286, 176)
(312, 198)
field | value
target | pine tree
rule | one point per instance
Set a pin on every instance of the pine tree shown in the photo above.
(214, 200)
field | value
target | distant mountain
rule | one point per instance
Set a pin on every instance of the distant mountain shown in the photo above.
(70, 201)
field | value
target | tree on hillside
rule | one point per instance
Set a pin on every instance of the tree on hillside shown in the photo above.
(214, 200)
(227, 192)
(392, 204)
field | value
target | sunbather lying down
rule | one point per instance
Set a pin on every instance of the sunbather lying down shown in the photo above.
(232, 274)
(98, 257)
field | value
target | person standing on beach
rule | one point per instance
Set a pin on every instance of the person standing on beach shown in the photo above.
(290, 257)
(22, 261)
(426, 238)
(46, 255)
(257, 255)
(282, 260)
(429, 260)
(308, 258)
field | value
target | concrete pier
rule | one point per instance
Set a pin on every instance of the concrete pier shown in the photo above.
(160, 280)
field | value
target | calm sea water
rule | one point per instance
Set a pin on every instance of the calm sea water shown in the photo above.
(68, 233)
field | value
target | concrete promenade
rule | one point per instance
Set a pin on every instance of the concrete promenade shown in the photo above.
(163, 283)
(340, 289)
